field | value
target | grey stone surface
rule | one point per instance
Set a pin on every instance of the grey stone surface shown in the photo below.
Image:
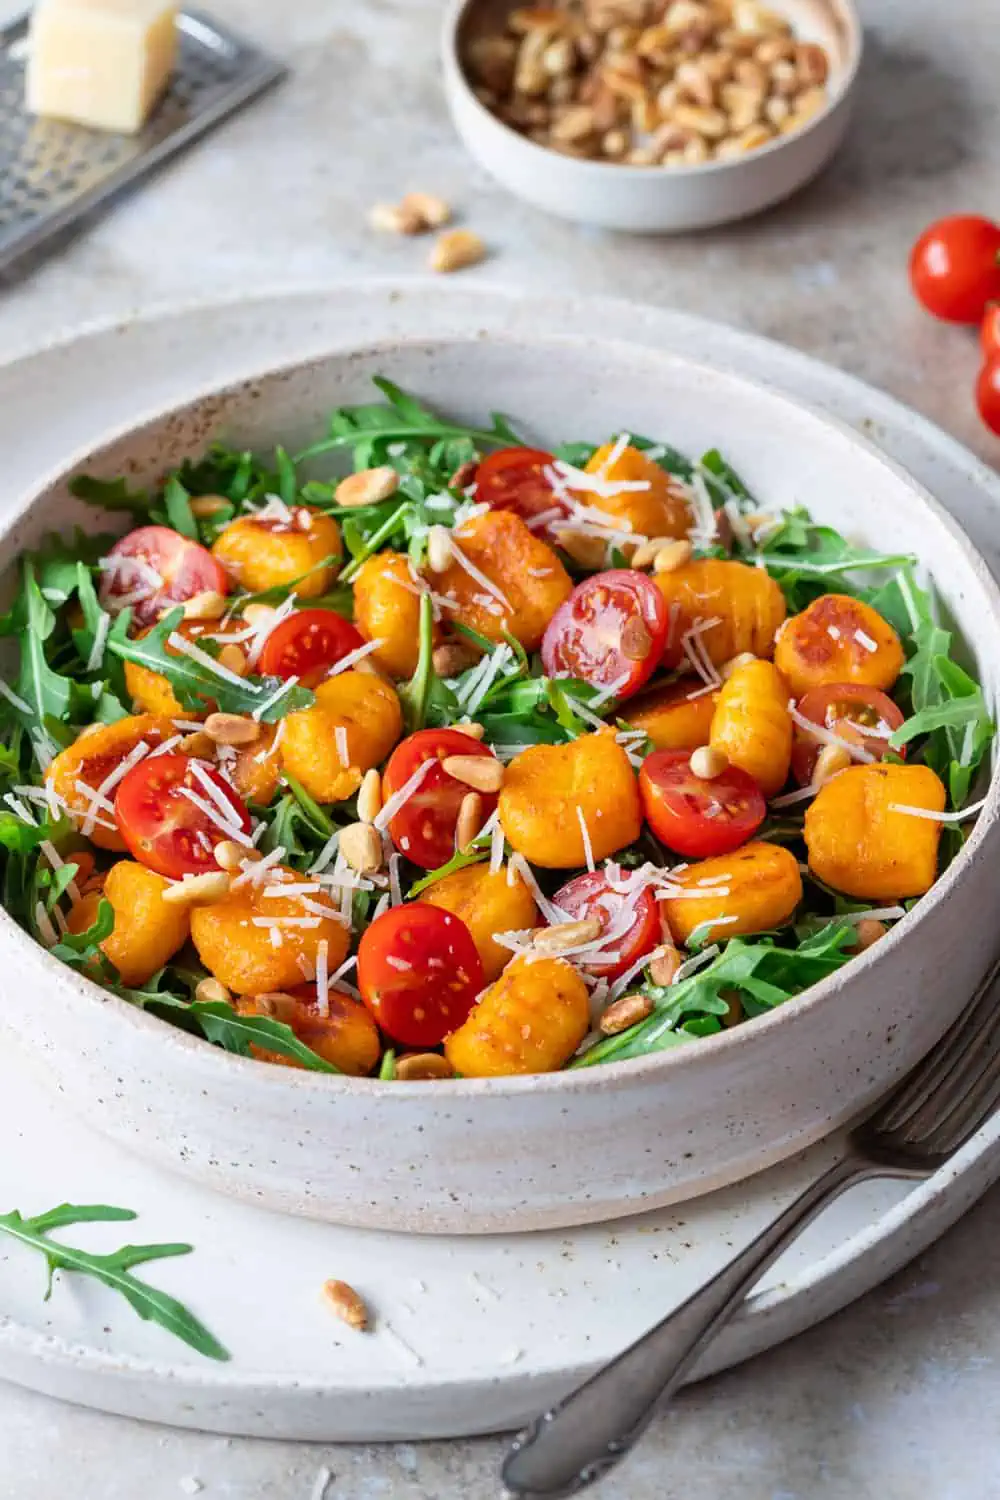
(897, 1398)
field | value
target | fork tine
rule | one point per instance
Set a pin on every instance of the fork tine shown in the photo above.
(955, 1127)
(957, 1046)
(965, 1075)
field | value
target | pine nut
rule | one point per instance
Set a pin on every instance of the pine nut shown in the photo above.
(456, 249)
(231, 856)
(482, 772)
(868, 931)
(588, 551)
(439, 550)
(563, 935)
(349, 1307)
(211, 992)
(194, 889)
(830, 761)
(393, 218)
(644, 554)
(259, 615)
(673, 556)
(735, 663)
(210, 605)
(474, 731)
(370, 796)
(452, 657)
(197, 744)
(635, 639)
(232, 729)
(275, 1003)
(417, 1066)
(707, 763)
(664, 965)
(470, 820)
(362, 848)
(204, 506)
(367, 487)
(432, 211)
(233, 659)
(624, 1013)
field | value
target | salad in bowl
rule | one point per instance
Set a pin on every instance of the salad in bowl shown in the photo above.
(482, 760)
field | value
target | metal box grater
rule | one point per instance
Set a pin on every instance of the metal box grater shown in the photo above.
(52, 174)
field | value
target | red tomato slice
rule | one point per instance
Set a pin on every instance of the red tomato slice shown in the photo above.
(590, 895)
(612, 629)
(183, 567)
(307, 644)
(694, 817)
(166, 830)
(514, 479)
(989, 333)
(424, 827)
(862, 715)
(419, 973)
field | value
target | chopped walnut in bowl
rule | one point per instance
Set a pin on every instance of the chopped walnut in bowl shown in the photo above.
(649, 82)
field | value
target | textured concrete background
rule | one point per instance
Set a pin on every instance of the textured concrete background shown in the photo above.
(898, 1398)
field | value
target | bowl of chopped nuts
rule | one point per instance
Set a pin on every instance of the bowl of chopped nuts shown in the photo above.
(652, 116)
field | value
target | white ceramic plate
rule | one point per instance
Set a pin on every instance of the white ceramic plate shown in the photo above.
(535, 1152)
(294, 1373)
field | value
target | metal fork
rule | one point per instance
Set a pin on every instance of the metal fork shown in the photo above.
(912, 1133)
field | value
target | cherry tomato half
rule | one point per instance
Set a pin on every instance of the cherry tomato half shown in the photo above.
(419, 973)
(988, 394)
(694, 817)
(862, 715)
(989, 333)
(307, 644)
(955, 267)
(424, 827)
(590, 895)
(164, 828)
(612, 629)
(514, 479)
(152, 552)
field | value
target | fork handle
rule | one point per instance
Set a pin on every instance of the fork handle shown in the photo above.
(569, 1447)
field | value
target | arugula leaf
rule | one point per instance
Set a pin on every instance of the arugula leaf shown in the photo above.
(314, 815)
(177, 504)
(114, 1270)
(43, 694)
(760, 972)
(109, 494)
(219, 1022)
(387, 1072)
(81, 950)
(196, 685)
(425, 690)
(478, 851)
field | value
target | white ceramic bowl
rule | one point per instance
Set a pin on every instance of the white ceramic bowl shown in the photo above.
(565, 1148)
(655, 200)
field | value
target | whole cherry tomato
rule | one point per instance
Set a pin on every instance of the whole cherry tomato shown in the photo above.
(307, 644)
(514, 479)
(419, 973)
(161, 569)
(424, 827)
(862, 715)
(955, 267)
(590, 895)
(169, 810)
(989, 333)
(695, 817)
(612, 629)
(988, 394)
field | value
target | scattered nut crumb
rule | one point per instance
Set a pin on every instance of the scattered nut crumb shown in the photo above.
(348, 1305)
(415, 214)
(456, 249)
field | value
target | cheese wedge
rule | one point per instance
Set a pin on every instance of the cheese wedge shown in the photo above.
(102, 63)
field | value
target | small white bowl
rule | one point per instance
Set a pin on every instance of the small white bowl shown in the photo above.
(656, 200)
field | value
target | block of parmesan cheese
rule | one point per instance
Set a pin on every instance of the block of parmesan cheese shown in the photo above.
(102, 63)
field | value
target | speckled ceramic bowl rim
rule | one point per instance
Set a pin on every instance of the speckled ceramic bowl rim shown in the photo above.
(612, 1075)
(597, 171)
